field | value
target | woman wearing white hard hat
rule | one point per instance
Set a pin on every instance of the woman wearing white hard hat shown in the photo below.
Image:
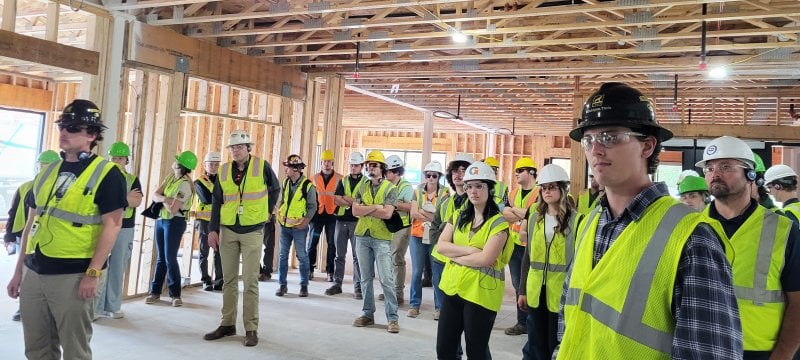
(550, 233)
(475, 244)
(423, 208)
(781, 181)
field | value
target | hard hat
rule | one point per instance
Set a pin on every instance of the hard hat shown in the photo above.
(480, 171)
(48, 157)
(727, 147)
(491, 161)
(617, 104)
(327, 155)
(81, 112)
(239, 137)
(376, 156)
(686, 173)
(213, 156)
(777, 172)
(393, 162)
(356, 158)
(467, 158)
(294, 161)
(552, 173)
(692, 183)
(760, 168)
(187, 159)
(119, 148)
(525, 163)
(433, 166)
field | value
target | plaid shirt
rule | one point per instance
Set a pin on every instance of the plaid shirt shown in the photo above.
(703, 303)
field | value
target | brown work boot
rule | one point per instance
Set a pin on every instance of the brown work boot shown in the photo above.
(363, 321)
(517, 329)
(264, 277)
(251, 338)
(220, 332)
(393, 327)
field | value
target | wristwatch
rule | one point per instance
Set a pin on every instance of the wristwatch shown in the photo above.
(93, 272)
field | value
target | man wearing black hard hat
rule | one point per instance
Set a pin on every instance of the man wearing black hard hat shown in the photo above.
(648, 276)
(76, 213)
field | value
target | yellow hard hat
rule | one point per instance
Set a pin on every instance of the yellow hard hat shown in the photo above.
(326, 155)
(525, 163)
(491, 161)
(376, 156)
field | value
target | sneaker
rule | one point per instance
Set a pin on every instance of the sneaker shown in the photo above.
(177, 302)
(412, 313)
(436, 315)
(363, 321)
(220, 332)
(282, 290)
(393, 327)
(333, 290)
(152, 298)
(16, 316)
(517, 329)
(358, 295)
(303, 290)
(380, 297)
(116, 314)
(264, 277)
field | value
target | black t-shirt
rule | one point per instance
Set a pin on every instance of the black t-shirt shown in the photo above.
(111, 195)
(131, 222)
(348, 213)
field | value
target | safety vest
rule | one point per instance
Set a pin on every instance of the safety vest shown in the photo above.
(421, 196)
(74, 222)
(247, 201)
(348, 191)
(129, 179)
(549, 261)
(793, 208)
(21, 216)
(446, 208)
(170, 190)
(377, 228)
(760, 247)
(293, 209)
(404, 215)
(500, 189)
(483, 286)
(203, 211)
(325, 204)
(584, 206)
(621, 308)
(518, 201)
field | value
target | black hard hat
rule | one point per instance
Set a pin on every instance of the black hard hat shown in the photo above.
(617, 104)
(81, 112)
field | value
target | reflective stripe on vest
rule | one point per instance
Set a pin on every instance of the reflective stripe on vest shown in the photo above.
(376, 227)
(203, 211)
(71, 216)
(325, 193)
(518, 201)
(500, 189)
(759, 294)
(584, 206)
(21, 215)
(348, 192)
(569, 246)
(251, 195)
(293, 208)
(170, 190)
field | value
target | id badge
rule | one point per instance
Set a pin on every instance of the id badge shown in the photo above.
(34, 227)
(241, 210)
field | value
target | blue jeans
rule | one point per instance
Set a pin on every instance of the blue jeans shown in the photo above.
(373, 251)
(168, 240)
(109, 297)
(436, 273)
(298, 237)
(514, 266)
(419, 252)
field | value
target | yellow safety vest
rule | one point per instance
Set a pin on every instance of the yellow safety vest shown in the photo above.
(377, 228)
(21, 216)
(621, 308)
(549, 262)
(349, 192)
(293, 209)
(483, 286)
(170, 190)
(446, 208)
(74, 222)
(793, 208)
(500, 189)
(518, 201)
(404, 215)
(760, 249)
(129, 179)
(202, 210)
(249, 200)
(584, 206)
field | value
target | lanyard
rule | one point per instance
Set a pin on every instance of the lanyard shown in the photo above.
(244, 178)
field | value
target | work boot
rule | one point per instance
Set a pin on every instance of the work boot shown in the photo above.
(250, 338)
(220, 332)
(393, 327)
(363, 321)
(303, 290)
(282, 290)
(517, 329)
(333, 290)
(264, 277)
(357, 295)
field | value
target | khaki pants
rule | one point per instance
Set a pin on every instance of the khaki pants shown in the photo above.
(399, 249)
(232, 247)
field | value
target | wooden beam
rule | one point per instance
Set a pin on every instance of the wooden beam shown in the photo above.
(9, 15)
(156, 3)
(755, 132)
(40, 51)
(51, 27)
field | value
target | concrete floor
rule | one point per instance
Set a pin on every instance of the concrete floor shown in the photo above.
(316, 327)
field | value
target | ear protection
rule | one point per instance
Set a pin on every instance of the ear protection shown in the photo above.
(760, 182)
(83, 155)
(777, 186)
(750, 174)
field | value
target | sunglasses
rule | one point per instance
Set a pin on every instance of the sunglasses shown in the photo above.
(520, 171)
(72, 129)
(373, 164)
(431, 176)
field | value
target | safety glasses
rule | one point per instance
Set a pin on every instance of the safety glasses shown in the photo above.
(72, 128)
(608, 139)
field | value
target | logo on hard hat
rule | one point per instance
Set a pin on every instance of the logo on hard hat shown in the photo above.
(474, 170)
(598, 100)
(711, 150)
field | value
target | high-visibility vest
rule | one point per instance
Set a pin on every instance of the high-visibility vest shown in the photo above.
(170, 190)
(404, 215)
(293, 209)
(129, 180)
(203, 210)
(446, 208)
(325, 204)
(621, 308)
(482, 286)
(250, 196)
(377, 228)
(549, 261)
(760, 249)
(584, 206)
(348, 191)
(420, 195)
(517, 201)
(73, 223)
(793, 208)
(500, 189)
(21, 216)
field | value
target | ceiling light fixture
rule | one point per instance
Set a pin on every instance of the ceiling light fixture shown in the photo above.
(506, 131)
(459, 37)
(448, 115)
(718, 72)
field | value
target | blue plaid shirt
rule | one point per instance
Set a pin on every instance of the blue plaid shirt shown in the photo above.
(703, 303)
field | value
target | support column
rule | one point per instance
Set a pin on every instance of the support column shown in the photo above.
(427, 138)
(578, 157)
(51, 28)
(332, 122)
(9, 15)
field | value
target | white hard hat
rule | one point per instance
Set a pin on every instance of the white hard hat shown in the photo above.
(686, 173)
(479, 171)
(239, 137)
(393, 162)
(728, 147)
(777, 172)
(552, 173)
(434, 166)
(356, 158)
(464, 157)
(213, 156)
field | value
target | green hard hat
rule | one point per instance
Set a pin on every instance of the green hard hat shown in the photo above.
(692, 183)
(760, 168)
(119, 148)
(48, 157)
(187, 159)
